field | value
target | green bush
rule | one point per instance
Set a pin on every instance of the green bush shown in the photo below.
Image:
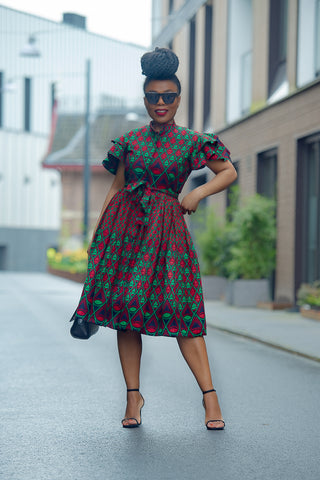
(75, 261)
(309, 294)
(244, 246)
(212, 238)
(253, 254)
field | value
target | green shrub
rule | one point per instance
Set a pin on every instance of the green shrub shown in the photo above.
(309, 294)
(211, 238)
(253, 254)
(244, 246)
(75, 261)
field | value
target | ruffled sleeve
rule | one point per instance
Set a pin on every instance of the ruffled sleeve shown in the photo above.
(117, 152)
(208, 147)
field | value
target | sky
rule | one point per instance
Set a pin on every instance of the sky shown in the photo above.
(127, 20)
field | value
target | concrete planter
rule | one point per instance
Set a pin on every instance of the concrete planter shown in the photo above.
(247, 293)
(213, 287)
(310, 313)
(75, 277)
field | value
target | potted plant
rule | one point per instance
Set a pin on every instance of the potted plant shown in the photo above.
(210, 239)
(309, 300)
(253, 252)
(68, 264)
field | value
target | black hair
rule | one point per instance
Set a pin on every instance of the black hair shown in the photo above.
(160, 64)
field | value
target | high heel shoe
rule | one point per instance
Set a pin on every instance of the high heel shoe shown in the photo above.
(137, 424)
(212, 421)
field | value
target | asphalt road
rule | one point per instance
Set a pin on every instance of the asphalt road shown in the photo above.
(62, 401)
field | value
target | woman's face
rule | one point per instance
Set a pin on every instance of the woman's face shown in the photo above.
(162, 113)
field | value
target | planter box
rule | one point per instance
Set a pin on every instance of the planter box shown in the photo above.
(310, 313)
(213, 287)
(75, 277)
(274, 305)
(247, 293)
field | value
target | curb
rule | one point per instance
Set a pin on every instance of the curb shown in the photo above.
(265, 342)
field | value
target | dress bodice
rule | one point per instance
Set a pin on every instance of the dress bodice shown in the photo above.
(163, 160)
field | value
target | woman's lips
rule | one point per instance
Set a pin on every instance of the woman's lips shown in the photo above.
(161, 113)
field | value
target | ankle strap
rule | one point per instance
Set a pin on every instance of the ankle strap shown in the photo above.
(132, 389)
(208, 391)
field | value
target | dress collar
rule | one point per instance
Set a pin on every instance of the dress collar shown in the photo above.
(165, 127)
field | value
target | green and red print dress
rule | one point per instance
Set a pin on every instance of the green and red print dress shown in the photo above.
(143, 272)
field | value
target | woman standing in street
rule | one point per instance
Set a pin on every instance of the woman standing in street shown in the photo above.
(143, 274)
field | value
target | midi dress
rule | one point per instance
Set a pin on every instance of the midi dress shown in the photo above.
(143, 272)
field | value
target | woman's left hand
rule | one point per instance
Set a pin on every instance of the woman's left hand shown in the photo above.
(190, 202)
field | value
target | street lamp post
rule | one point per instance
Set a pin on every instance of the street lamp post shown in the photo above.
(86, 167)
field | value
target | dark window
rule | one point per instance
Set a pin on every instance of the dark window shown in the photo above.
(308, 211)
(197, 219)
(171, 7)
(267, 186)
(277, 44)
(192, 66)
(27, 104)
(267, 173)
(1, 99)
(3, 257)
(232, 192)
(207, 66)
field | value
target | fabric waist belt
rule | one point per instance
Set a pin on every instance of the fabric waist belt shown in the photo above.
(144, 193)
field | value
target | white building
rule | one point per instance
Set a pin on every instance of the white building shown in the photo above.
(30, 195)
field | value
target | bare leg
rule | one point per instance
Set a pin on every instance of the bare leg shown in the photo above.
(194, 352)
(130, 349)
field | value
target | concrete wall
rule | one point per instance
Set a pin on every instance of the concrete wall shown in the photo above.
(24, 249)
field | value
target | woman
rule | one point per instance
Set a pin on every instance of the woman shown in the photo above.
(143, 274)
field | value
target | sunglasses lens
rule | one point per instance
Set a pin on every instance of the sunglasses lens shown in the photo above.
(169, 97)
(152, 97)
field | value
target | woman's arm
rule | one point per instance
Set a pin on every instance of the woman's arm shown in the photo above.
(225, 175)
(117, 184)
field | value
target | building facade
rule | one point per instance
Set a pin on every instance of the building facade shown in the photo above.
(250, 72)
(32, 91)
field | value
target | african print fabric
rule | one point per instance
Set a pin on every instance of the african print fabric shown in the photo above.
(143, 271)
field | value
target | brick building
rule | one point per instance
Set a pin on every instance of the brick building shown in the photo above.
(250, 72)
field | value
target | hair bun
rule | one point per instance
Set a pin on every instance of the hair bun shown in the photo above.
(159, 64)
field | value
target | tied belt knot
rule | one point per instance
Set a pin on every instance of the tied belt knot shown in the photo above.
(143, 194)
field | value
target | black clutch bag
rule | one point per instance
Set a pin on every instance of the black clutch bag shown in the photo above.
(82, 329)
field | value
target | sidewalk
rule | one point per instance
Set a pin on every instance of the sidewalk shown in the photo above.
(280, 329)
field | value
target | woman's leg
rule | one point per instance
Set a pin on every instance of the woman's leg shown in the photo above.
(194, 352)
(130, 349)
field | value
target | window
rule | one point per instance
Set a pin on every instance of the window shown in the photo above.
(308, 48)
(278, 48)
(267, 186)
(233, 192)
(171, 7)
(308, 211)
(267, 173)
(27, 104)
(207, 67)
(239, 61)
(192, 65)
(1, 99)
(196, 220)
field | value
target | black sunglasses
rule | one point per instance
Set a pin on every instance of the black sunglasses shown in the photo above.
(153, 97)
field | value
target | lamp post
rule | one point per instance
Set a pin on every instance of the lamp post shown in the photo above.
(86, 167)
(30, 50)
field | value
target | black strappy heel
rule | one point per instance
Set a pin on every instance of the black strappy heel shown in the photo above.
(137, 424)
(212, 421)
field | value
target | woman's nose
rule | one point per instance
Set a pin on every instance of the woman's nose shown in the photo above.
(160, 101)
